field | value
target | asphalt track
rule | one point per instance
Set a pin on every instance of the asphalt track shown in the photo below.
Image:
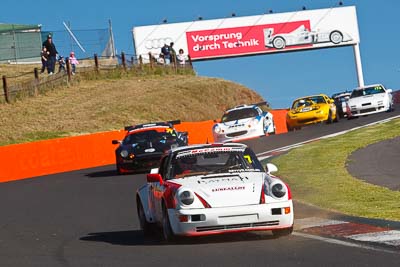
(88, 218)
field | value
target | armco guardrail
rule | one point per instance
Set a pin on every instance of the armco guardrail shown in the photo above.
(39, 158)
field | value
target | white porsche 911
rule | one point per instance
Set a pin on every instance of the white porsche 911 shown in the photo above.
(214, 189)
(370, 99)
(243, 122)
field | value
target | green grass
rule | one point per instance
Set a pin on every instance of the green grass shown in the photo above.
(317, 174)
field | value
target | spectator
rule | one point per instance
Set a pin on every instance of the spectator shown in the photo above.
(172, 51)
(73, 61)
(181, 58)
(161, 60)
(165, 50)
(51, 48)
(61, 64)
(44, 57)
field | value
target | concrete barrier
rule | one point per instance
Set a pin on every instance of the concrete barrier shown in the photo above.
(39, 158)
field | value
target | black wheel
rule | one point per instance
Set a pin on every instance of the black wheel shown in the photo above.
(337, 116)
(336, 37)
(329, 120)
(168, 234)
(282, 232)
(119, 169)
(146, 227)
(279, 43)
(290, 129)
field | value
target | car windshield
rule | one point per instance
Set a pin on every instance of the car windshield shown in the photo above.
(308, 101)
(149, 136)
(239, 114)
(367, 91)
(214, 160)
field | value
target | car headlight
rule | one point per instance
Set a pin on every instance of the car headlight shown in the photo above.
(124, 153)
(217, 129)
(186, 197)
(252, 123)
(278, 190)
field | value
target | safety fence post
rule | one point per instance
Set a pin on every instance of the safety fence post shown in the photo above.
(123, 60)
(36, 73)
(5, 88)
(96, 62)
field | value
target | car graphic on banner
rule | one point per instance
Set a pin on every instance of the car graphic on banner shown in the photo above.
(302, 35)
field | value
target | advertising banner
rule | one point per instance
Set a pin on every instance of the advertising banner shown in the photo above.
(238, 36)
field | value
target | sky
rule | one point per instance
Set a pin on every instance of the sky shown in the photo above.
(278, 78)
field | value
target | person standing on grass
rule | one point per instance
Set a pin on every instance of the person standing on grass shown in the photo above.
(51, 48)
(73, 61)
(44, 55)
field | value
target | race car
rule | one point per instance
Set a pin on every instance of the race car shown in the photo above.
(370, 99)
(213, 189)
(301, 36)
(309, 110)
(144, 144)
(243, 122)
(341, 103)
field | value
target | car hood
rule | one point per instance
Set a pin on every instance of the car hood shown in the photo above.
(366, 99)
(228, 189)
(238, 122)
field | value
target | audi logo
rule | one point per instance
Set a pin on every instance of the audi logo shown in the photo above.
(157, 43)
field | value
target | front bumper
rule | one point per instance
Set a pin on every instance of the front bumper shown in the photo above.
(142, 163)
(367, 110)
(232, 219)
(297, 121)
(238, 133)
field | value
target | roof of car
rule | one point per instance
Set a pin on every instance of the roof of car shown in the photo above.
(158, 128)
(311, 96)
(198, 146)
(370, 85)
(242, 106)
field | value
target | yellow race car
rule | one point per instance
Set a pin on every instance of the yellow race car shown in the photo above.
(311, 109)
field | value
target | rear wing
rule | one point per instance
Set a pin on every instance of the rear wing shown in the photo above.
(264, 103)
(152, 124)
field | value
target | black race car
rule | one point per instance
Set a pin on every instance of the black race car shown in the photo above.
(144, 145)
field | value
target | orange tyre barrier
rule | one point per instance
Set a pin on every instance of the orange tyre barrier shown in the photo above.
(39, 158)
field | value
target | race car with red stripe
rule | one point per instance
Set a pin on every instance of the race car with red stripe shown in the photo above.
(144, 144)
(213, 189)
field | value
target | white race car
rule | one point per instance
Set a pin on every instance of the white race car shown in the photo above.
(242, 122)
(301, 36)
(370, 99)
(214, 189)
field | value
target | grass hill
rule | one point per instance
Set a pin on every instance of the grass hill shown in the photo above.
(109, 104)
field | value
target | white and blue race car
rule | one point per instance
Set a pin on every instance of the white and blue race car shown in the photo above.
(243, 122)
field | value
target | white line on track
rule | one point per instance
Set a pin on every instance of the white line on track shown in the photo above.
(343, 243)
(286, 148)
(391, 237)
(315, 222)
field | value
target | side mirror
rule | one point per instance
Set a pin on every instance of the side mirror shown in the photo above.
(389, 91)
(154, 178)
(270, 168)
(347, 98)
(115, 142)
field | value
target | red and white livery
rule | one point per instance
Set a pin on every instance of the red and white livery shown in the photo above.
(214, 189)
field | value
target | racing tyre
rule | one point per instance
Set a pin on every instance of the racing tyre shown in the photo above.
(146, 227)
(168, 234)
(336, 37)
(329, 120)
(290, 129)
(337, 116)
(119, 170)
(282, 232)
(279, 43)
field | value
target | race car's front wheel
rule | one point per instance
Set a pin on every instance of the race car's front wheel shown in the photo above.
(282, 232)
(168, 234)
